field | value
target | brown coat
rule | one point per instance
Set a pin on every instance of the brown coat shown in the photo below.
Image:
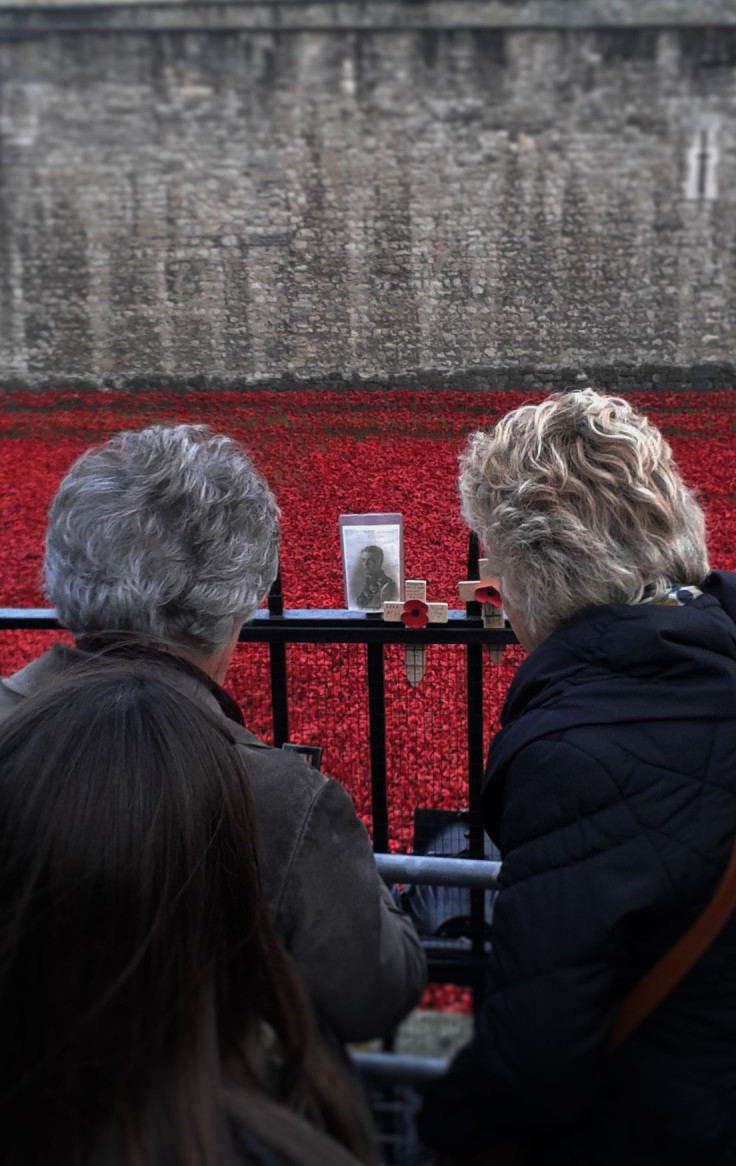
(357, 952)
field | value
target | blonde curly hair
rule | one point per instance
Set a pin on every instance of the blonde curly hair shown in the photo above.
(578, 502)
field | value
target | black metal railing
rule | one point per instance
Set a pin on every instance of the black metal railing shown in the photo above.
(279, 631)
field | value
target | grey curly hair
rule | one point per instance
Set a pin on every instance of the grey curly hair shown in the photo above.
(578, 502)
(169, 532)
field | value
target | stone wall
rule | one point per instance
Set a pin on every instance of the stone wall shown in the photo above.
(411, 205)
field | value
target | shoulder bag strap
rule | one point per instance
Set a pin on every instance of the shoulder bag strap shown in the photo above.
(675, 963)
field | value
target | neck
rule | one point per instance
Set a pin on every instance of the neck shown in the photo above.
(215, 665)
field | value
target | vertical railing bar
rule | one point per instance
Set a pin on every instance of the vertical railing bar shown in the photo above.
(472, 608)
(476, 758)
(475, 780)
(279, 693)
(278, 669)
(473, 555)
(377, 736)
(276, 595)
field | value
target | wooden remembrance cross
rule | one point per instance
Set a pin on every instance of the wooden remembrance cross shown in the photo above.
(415, 612)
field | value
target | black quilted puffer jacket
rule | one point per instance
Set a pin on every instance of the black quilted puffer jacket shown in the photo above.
(611, 792)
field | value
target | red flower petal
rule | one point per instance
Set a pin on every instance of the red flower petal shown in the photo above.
(415, 614)
(488, 593)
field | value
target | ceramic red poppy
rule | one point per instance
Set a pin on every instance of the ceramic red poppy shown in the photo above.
(415, 614)
(487, 592)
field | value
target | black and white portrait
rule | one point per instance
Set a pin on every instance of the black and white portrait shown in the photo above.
(377, 586)
(372, 548)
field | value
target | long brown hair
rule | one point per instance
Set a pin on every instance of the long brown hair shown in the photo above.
(139, 970)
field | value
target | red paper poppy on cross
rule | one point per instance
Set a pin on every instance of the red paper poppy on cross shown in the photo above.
(488, 593)
(415, 614)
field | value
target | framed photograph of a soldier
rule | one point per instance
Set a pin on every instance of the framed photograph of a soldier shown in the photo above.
(372, 559)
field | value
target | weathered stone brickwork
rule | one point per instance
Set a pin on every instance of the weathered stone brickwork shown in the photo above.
(437, 206)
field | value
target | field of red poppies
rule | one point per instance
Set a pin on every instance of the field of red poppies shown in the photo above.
(326, 454)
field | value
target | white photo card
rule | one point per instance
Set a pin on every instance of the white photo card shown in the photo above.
(372, 559)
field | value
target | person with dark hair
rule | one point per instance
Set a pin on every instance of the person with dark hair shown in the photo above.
(610, 790)
(160, 544)
(148, 1013)
(378, 587)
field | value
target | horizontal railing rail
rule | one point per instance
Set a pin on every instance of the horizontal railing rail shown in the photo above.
(313, 627)
(397, 1068)
(28, 619)
(432, 870)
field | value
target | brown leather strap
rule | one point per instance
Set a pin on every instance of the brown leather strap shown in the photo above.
(675, 963)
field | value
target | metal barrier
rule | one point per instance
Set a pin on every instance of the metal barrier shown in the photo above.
(394, 1081)
(389, 1068)
(444, 872)
(394, 1069)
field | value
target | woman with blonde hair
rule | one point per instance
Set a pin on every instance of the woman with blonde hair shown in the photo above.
(611, 792)
(149, 1016)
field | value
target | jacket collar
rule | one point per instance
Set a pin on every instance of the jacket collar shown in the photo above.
(42, 670)
(619, 664)
(128, 648)
(615, 645)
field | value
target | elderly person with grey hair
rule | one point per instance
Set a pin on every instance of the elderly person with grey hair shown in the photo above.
(611, 792)
(160, 544)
